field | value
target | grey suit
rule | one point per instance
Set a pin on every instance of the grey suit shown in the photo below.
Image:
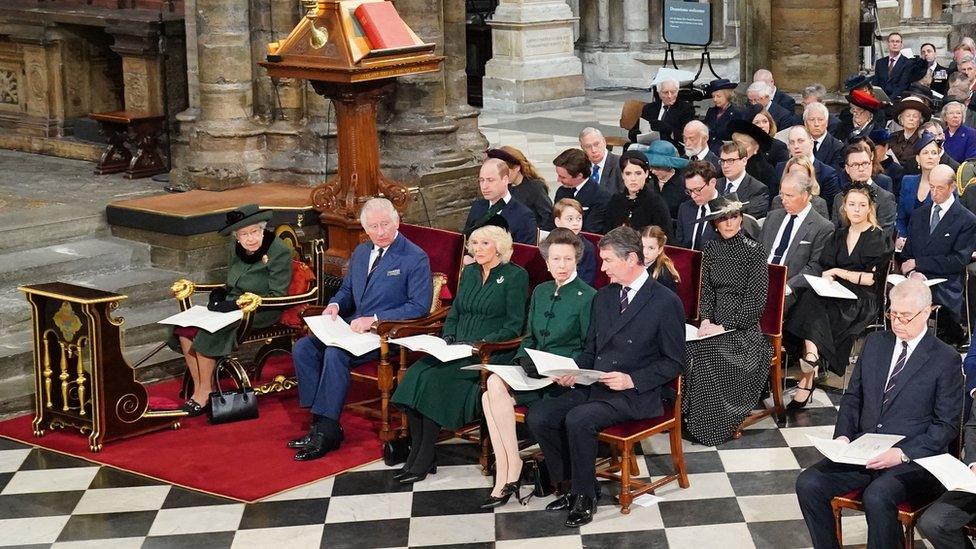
(819, 205)
(803, 254)
(610, 178)
(750, 190)
(887, 210)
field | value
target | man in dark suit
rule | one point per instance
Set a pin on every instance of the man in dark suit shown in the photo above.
(636, 336)
(890, 71)
(573, 174)
(826, 148)
(666, 115)
(795, 235)
(779, 97)
(944, 522)
(940, 74)
(695, 138)
(817, 93)
(801, 144)
(389, 279)
(736, 180)
(857, 166)
(906, 382)
(760, 95)
(941, 237)
(604, 165)
(493, 180)
(693, 230)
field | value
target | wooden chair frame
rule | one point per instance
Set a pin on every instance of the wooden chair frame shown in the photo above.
(776, 296)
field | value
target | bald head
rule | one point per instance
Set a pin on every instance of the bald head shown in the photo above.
(942, 174)
(763, 75)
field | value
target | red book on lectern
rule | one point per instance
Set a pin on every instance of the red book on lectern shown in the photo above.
(383, 26)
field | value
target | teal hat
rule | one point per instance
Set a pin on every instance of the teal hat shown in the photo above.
(250, 214)
(662, 154)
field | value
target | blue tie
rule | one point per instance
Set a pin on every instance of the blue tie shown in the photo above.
(784, 242)
(595, 174)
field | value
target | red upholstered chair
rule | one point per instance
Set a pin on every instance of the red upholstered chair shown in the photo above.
(771, 324)
(530, 258)
(444, 248)
(688, 263)
(601, 279)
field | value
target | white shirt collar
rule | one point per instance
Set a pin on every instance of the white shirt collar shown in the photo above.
(701, 154)
(375, 249)
(637, 284)
(506, 199)
(577, 189)
(571, 278)
(912, 345)
(602, 162)
(944, 206)
(737, 182)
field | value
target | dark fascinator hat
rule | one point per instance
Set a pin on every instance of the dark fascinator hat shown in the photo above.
(870, 189)
(505, 157)
(880, 136)
(925, 140)
(724, 206)
(244, 216)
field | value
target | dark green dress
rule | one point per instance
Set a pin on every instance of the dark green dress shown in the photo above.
(269, 279)
(493, 311)
(557, 323)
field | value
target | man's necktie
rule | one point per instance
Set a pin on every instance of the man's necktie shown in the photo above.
(816, 147)
(728, 188)
(624, 300)
(696, 237)
(784, 241)
(935, 217)
(891, 64)
(899, 366)
(595, 174)
(375, 263)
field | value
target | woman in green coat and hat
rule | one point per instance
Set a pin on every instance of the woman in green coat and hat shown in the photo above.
(260, 264)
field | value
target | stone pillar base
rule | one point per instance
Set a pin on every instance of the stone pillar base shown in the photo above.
(515, 96)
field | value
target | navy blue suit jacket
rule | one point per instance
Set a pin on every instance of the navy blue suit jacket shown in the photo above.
(945, 252)
(594, 199)
(399, 288)
(520, 219)
(924, 406)
(687, 217)
(783, 117)
(826, 176)
(784, 100)
(893, 83)
(646, 342)
(831, 152)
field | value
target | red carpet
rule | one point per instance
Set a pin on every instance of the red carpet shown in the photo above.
(246, 461)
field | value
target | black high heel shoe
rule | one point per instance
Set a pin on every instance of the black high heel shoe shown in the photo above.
(795, 405)
(411, 478)
(507, 491)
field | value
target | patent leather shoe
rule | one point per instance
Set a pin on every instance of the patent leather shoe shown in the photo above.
(507, 491)
(584, 507)
(301, 443)
(411, 478)
(319, 444)
(402, 472)
(561, 503)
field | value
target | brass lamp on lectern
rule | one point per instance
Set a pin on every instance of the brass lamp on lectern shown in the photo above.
(329, 48)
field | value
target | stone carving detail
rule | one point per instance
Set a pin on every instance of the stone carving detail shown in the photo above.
(37, 80)
(8, 87)
(136, 91)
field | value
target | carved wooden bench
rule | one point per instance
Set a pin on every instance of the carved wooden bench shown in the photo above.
(133, 143)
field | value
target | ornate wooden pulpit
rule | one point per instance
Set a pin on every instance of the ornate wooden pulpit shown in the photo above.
(329, 48)
(81, 379)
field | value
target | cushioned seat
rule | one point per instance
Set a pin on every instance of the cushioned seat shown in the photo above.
(908, 514)
(633, 428)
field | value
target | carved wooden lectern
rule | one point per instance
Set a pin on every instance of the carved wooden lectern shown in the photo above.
(81, 379)
(330, 49)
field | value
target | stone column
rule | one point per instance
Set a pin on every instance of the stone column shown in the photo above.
(533, 65)
(635, 19)
(589, 23)
(756, 25)
(617, 26)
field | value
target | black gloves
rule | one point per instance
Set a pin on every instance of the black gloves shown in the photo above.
(526, 363)
(449, 339)
(218, 301)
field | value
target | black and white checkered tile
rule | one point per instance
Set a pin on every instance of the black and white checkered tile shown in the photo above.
(741, 495)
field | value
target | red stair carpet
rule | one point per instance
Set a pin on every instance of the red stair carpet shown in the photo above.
(245, 461)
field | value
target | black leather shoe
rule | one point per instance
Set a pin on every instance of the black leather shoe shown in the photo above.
(561, 503)
(301, 443)
(411, 478)
(507, 491)
(402, 472)
(193, 408)
(582, 511)
(319, 444)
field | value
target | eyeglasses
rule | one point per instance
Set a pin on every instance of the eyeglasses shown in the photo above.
(691, 192)
(904, 318)
(858, 165)
(727, 161)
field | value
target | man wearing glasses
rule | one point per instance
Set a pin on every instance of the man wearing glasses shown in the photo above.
(700, 184)
(941, 237)
(906, 382)
(857, 165)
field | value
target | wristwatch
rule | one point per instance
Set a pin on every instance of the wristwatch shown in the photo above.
(904, 458)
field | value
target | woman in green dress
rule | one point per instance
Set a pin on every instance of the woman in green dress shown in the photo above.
(260, 264)
(559, 317)
(490, 306)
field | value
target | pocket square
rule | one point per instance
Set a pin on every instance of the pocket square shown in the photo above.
(804, 242)
(394, 272)
(947, 234)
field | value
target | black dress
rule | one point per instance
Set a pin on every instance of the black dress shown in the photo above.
(665, 278)
(533, 193)
(647, 208)
(726, 373)
(833, 324)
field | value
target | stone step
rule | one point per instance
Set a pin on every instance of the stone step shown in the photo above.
(50, 263)
(55, 224)
(140, 284)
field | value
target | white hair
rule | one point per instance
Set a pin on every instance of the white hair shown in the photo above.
(378, 204)
(588, 131)
(699, 126)
(668, 82)
(915, 290)
(819, 107)
(761, 88)
(953, 105)
(816, 90)
(260, 224)
(763, 75)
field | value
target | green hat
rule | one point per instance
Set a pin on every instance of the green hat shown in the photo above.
(250, 214)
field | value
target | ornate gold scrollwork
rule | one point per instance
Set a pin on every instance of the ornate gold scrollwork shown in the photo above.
(248, 302)
(319, 37)
(182, 289)
(67, 321)
(65, 353)
(279, 384)
(47, 368)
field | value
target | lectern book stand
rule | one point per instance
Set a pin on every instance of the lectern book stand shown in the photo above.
(81, 379)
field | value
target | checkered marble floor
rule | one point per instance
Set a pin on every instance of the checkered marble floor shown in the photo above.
(741, 495)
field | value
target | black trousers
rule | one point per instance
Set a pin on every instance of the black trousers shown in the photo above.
(943, 522)
(566, 428)
(883, 491)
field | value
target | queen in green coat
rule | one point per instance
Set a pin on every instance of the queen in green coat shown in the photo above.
(490, 306)
(559, 318)
(260, 264)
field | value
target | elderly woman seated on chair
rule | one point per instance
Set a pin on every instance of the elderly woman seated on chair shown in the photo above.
(260, 264)
(559, 316)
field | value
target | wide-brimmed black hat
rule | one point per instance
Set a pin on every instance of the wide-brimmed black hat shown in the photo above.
(244, 216)
(748, 128)
(720, 84)
(724, 206)
(880, 136)
(912, 102)
(855, 81)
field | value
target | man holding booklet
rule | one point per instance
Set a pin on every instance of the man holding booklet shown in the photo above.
(389, 278)
(636, 337)
(908, 384)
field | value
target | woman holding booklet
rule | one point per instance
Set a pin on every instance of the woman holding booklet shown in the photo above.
(727, 369)
(559, 317)
(490, 306)
(857, 257)
(260, 264)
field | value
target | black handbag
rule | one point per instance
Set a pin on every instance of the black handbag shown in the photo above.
(536, 475)
(396, 451)
(230, 406)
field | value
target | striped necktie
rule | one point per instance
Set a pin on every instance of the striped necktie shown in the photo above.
(624, 299)
(899, 366)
